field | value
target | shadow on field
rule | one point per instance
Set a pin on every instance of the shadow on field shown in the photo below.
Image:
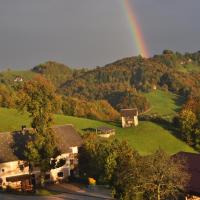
(164, 123)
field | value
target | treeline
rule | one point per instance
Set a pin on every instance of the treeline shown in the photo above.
(94, 109)
(136, 75)
(7, 96)
(188, 122)
(131, 176)
(120, 84)
(99, 109)
(174, 59)
(57, 73)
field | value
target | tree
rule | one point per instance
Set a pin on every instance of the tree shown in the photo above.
(156, 176)
(38, 97)
(164, 176)
(41, 149)
(186, 122)
(127, 173)
(97, 158)
(7, 98)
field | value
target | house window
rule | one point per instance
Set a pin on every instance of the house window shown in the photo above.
(60, 174)
(71, 162)
(21, 167)
(47, 177)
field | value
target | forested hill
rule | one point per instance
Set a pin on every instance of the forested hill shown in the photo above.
(57, 73)
(121, 84)
(122, 81)
(168, 71)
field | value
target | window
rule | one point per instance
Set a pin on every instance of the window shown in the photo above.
(47, 177)
(21, 167)
(60, 174)
(71, 161)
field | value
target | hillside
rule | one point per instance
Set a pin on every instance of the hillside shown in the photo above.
(124, 82)
(140, 74)
(146, 138)
(9, 76)
(163, 103)
(57, 73)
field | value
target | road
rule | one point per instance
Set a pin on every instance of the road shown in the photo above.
(63, 196)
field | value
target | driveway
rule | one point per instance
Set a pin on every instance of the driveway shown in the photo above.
(67, 192)
(99, 192)
(54, 197)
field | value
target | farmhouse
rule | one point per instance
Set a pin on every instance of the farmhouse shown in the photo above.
(18, 79)
(14, 170)
(105, 132)
(193, 167)
(129, 117)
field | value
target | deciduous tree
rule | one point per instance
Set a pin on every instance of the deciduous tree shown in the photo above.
(38, 97)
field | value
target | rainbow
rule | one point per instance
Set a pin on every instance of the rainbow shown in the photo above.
(135, 29)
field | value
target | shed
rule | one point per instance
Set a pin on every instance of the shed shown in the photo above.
(129, 117)
(105, 132)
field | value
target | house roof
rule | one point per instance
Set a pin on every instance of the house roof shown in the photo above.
(129, 112)
(12, 144)
(66, 136)
(6, 147)
(105, 129)
(193, 167)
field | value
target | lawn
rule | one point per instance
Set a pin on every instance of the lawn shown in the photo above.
(146, 138)
(45, 192)
(164, 103)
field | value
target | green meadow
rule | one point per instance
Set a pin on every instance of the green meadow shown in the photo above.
(145, 138)
(164, 103)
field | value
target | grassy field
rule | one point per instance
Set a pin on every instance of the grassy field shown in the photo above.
(164, 103)
(188, 68)
(25, 74)
(146, 138)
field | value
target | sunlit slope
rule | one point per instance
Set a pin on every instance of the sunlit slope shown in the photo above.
(146, 138)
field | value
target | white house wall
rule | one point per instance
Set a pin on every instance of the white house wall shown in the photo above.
(136, 120)
(9, 169)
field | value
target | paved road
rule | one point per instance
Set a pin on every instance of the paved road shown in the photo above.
(63, 196)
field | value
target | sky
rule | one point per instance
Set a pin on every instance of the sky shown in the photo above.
(90, 33)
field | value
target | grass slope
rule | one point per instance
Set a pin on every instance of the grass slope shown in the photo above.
(146, 138)
(188, 68)
(163, 103)
(25, 74)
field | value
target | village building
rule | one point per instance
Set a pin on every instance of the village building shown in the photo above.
(18, 79)
(105, 132)
(129, 117)
(154, 87)
(193, 168)
(14, 170)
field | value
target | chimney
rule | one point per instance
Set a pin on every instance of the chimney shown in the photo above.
(23, 129)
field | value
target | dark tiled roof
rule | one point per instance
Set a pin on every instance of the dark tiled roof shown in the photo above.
(105, 129)
(6, 150)
(130, 113)
(12, 144)
(66, 136)
(193, 165)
